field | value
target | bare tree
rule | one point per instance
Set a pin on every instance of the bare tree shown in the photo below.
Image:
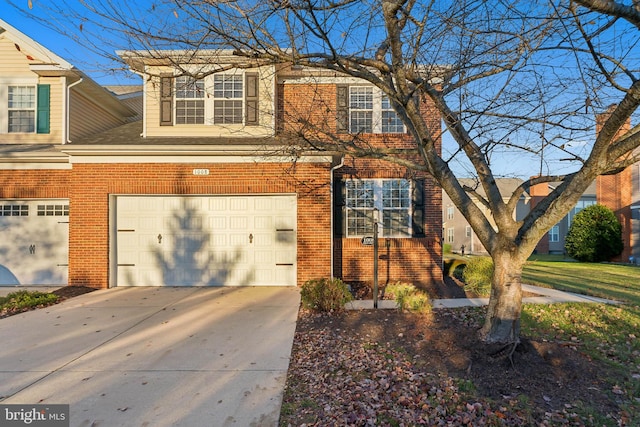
(522, 77)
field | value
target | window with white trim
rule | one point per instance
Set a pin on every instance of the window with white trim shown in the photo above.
(53, 210)
(14, 210)
(391, 197)
(21, 104)
(554, 234)
(578, 207)
(189, 100)
(450, 211)
(370, 111)
(468, 230)
(227, 98)
(450, 235)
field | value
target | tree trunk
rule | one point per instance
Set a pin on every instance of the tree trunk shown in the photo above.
(502, 324)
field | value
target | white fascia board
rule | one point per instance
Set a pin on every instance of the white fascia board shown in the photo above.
(33, 47)
(184, 154)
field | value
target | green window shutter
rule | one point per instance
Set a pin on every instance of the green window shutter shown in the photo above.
(166, 100)
(43, 109)
(342, 109)
(251, 99)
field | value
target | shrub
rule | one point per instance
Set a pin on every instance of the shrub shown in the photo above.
(446, 248)
(478, 275)
(325, 294)
(408, 297)
(595, 235)
(25, 299)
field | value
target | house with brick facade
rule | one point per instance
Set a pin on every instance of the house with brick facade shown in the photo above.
(621, 193)
(46, 104)
(213, 187)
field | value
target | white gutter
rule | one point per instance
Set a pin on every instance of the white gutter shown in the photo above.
(338, 166)
(68, 111)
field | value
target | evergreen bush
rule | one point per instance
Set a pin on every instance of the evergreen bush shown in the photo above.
(595, 235)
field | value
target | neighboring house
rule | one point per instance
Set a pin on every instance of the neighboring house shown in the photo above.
(553, 241)
(621, 193)
(210, 188)
(457, 232)
(46, 103)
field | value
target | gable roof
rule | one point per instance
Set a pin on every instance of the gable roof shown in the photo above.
(42, 57)
(44, 62)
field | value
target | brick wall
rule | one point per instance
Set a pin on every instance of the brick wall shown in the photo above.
(34, 184)
(310, 110)
(417, 260)
(615, 192)
(537, 193)
(93, 183)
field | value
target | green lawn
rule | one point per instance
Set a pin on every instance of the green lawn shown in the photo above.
(608, 333)
(619, 282)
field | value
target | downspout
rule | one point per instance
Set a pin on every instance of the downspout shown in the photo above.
(143, 75)
(68, 111)
(334, 168)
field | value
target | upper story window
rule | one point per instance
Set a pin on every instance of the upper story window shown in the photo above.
(450, 211)
(227, 95)
(392, 199)
(189, 100)
(25, 107)
(368, 111)
(218, 99)
(21, 109)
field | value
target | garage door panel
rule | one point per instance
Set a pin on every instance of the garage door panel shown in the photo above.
(207, 240)
(34, 242)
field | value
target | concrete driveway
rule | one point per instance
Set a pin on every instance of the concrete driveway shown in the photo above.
(154, 356)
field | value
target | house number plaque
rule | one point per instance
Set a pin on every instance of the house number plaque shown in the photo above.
(201, 171)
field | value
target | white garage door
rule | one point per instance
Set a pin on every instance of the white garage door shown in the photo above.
(34, 242)
(206, 240)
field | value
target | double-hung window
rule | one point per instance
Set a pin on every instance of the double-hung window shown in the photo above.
(392, 199)
(391, 122)
(189, 100)
(21, 109)
(370, 111)
(554, 234)
(230, 98)
(227, 98)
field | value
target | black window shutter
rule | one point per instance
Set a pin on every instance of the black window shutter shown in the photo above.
(338, 208)
(417, 204)
(251, 99)
(166, 100)
(342, 109)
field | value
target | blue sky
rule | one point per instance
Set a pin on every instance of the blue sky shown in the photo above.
(97, 67)
(92, 64)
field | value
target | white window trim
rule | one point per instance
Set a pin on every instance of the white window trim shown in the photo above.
(376, 111)
(554, 234)
(4, 102)
(450, 235)
(378, 204)
(209, 101)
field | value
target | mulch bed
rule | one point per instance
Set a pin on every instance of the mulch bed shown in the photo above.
(392, 368)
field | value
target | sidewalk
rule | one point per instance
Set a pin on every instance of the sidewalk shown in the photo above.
(545, 296)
